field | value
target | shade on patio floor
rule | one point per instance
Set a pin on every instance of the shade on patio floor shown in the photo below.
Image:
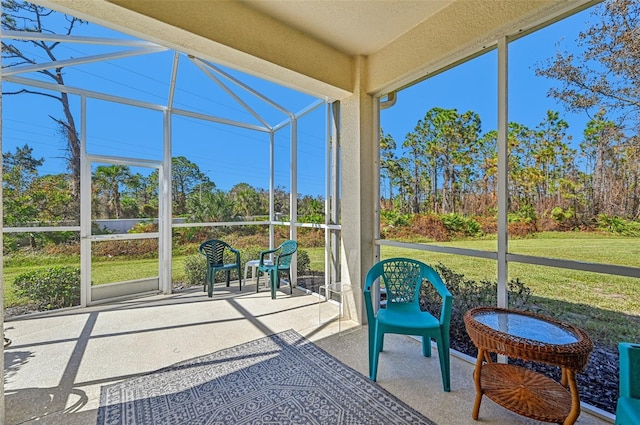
(58, 361)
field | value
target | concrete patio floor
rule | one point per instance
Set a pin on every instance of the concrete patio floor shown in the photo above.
(58, 361)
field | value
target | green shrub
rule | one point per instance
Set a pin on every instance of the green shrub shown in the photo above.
(195, 270)
(51, 288)
(526, 214)
(312, 218)
(469, 293)
(561, 215)
(461, 225)
(145, 226)
(304, 262)
(618, 225)
(394, 219)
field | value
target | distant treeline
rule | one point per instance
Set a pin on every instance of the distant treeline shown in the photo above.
(446, 166)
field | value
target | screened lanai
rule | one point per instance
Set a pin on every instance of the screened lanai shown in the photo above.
(109, 122)
(372, 59)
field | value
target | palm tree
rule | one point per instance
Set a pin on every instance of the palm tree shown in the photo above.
(107, 180)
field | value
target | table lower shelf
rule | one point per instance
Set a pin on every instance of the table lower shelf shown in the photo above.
(525, 392)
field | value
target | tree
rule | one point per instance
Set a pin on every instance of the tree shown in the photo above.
(601, 137)
(23, 16)
(141, 196)
(185, 177)
(448, 140)
(20, 171)
(602, 78)
(211, 206)
(552, 156)
(108, 180)
(417, 183)
(310, 209)
(605, 71)
(246, 200)
(486, 160)
(389, 166)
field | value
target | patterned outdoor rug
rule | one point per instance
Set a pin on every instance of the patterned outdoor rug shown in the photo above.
(282, 379)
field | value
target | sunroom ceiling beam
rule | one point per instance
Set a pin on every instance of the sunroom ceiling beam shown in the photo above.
(79, 61)
(228, 33)
(64, 38)
(207, 71)
(249, 89)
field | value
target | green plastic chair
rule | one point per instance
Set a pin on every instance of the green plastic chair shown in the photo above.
(216, 253)
(281, 263)
(402, 279)
(628, 408)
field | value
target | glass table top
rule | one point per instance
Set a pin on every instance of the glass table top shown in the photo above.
(527, 327)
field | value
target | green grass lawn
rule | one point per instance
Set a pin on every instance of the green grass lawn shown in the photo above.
(606, 306)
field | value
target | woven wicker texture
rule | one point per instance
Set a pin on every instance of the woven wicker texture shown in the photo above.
(573, 356)
(526, 392)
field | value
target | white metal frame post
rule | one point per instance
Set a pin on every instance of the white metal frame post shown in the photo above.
(165, 210)
(376, 184)
(293, 196)
(327, 198)
(503, 167)
(335, 192)
(85, 209)
(272, 162)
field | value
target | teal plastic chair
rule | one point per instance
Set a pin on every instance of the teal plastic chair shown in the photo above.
(402, 278)
(281, 263)
(628, 408)
(216, 253)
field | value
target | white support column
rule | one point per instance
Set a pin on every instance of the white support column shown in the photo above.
(357, 146)
(293, 196)
(1, 260)
(85, 209)
(376, 183)
(327, 197)
(165, 210)
(272, 159)
(335, 191)
(503, 171)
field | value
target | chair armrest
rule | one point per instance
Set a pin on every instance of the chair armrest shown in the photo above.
(237, 254)
(447, 298)
(374, 274)
(265, 253)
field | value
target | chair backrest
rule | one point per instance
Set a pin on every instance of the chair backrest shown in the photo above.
(285, 253)
(213, 249)
(629, 370)
(403, 278)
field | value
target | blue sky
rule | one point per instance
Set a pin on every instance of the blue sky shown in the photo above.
(473, 85)
(230, 155)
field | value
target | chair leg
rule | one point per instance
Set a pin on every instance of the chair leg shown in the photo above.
(206, 280)
(426, 346)
(379, 336)
(372, 342)
(445, 367)
(211, 279)
(228, 276)
(273, 277)
(257, 276)
(239, 278)
(290, 284)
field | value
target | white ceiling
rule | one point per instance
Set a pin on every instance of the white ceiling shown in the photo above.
(351, 26)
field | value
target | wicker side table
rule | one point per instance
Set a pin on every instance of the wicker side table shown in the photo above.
(527, 336)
